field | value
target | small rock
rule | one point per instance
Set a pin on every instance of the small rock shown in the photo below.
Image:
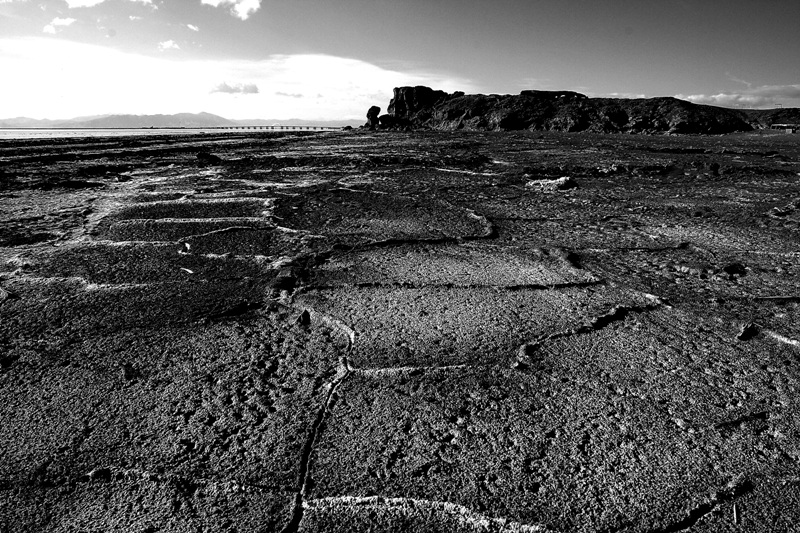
(747, 332)
(524, 354)
(680, 422)
(285, 280)
(129, 372)
(525, 351)
(735, 269)
(99, 474)
(520, 365)
(305, 318)
(206, 158)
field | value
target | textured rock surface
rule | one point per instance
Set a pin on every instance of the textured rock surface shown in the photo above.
(370, 332)
(423, 107)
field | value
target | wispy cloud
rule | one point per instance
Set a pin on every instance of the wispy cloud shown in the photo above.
(753, 97)
(239, 88)
(738, 80)
(72, 4)
(240, 8)
(57, 23)
(540, 84)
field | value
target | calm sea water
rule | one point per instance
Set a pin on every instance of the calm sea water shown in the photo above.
(24, 133)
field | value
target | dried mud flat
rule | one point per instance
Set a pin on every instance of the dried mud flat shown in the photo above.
(392, 332)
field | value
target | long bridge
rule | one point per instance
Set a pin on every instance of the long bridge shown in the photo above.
(275, 127)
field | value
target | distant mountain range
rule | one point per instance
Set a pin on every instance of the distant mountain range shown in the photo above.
(180, 120)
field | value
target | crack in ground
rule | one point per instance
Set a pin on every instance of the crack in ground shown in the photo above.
(392, 242)
(90, 286)
(618, 313)
(461, 514)
(785, 340)
(735, 488)
(183, 240)
(489, 232)
(468, 517)
(190, 220)
(305, 481)
(403, 370)
(730, 425)
(304, 477)
(332, 322)
(478, 286)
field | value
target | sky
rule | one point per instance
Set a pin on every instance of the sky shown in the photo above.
(333, 59)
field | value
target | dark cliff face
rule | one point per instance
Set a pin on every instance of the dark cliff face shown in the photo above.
(423, 107)
(408, 101)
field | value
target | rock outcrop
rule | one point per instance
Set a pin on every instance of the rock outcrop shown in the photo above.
(372, 116)
(424, 108)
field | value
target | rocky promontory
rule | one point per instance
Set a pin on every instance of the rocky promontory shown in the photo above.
(425, 108)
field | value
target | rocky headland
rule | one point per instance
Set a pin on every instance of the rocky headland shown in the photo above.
(425, 108)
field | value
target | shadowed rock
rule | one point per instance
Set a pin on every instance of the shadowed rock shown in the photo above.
(372, 116)
(423, 107)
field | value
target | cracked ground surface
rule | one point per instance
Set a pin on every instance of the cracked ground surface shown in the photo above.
(391, 332)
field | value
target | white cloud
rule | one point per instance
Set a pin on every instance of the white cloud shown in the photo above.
(72, 4)
(238, 88)
(46, 78)
(240, 8)
(192, 27)
(168, 45)
(753, 97)
(623, 95)
(57, 23)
